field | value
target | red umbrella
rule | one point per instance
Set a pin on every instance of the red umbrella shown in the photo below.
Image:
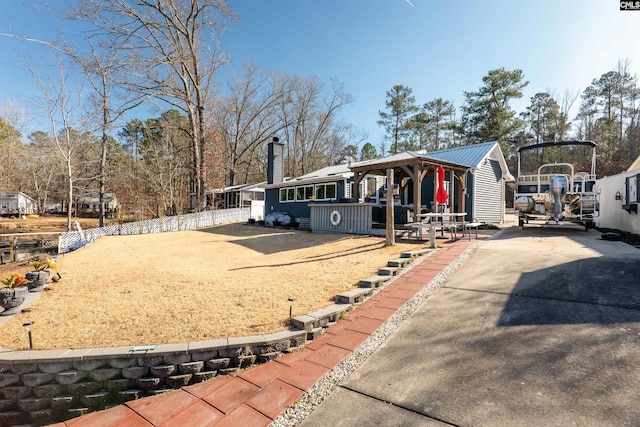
(441, 195)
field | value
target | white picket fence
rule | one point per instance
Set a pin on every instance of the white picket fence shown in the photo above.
(73, 240)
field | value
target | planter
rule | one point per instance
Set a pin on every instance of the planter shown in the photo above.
(11, 299)
(38, 279)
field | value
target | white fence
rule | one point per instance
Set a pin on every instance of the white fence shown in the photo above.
(76, 239)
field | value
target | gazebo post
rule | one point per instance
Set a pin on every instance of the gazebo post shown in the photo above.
(417, 191)
(452, 190)
(390, 241)
(435, 188)
(356, 186)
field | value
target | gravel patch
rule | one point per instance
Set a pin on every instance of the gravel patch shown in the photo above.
(313, 397)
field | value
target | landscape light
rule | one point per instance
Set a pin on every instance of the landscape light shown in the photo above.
(26, 325)
(290, 306)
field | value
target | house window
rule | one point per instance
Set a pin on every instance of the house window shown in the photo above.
(304, 193)
(325, 191)
(287, 194)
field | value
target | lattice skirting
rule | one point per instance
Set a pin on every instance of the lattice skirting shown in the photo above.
(73, 240)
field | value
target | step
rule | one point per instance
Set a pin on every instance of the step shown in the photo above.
(304, 224)
(373, 281)
(320, 318)
(416, 253)
(399, 262)
(354, 296)
(388, 271)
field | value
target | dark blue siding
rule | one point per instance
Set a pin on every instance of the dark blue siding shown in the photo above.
(295, 209)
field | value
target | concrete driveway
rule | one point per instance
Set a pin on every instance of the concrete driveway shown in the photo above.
(541, 327)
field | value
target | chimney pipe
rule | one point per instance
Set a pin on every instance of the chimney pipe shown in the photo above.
(275, 161)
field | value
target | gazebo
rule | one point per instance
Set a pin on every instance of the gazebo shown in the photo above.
(411, 167)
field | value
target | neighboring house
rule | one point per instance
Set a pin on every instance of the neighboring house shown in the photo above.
(478, 173)
(17, 203)
(242, 196)
(620, 200)
(88, 204)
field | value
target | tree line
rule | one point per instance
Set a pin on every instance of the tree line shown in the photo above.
(209, 134)
(608, 114)
(166, 54)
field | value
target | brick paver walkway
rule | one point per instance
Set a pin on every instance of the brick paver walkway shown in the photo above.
(255, 396)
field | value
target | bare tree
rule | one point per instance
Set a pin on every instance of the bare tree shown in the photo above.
(172, 54)
(63, 107)
(11, 148)
(102, 71)
(247, 118)
(311, 117)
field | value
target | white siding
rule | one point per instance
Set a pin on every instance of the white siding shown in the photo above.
(611, 213)
(488, 191)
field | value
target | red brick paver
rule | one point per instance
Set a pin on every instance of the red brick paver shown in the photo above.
(303, 375)
(157, 409)
(114, 417)
(234, 393)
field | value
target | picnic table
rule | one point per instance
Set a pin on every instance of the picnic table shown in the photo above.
(449, 221)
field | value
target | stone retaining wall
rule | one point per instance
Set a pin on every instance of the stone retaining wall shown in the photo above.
(43, 387)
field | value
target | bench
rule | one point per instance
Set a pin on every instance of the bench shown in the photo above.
(471, 225)
(451, 228)
(419, 228)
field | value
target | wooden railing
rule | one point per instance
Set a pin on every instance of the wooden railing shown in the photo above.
(10, 243)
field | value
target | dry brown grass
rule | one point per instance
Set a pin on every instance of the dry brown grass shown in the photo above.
(232, 280)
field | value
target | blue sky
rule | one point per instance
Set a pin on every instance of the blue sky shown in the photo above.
(438, 48)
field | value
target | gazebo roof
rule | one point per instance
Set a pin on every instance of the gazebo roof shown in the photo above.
(403, 159)
(460, 158)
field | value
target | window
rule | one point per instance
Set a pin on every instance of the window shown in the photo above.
(325, 191)
(287, 194)
(308, 192)
(304, 193)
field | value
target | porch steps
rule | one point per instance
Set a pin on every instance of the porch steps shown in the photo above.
(374, 281)
(304, 224)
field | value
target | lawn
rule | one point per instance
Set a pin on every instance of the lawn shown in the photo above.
(231, 280)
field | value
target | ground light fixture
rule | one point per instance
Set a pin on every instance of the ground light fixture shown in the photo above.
(27, 326)
(291, 300)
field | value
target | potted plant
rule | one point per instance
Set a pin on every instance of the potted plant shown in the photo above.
(38, 277)
(53, 266)
(13, 293)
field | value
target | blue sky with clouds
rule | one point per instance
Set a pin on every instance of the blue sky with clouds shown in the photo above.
(439, 48)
